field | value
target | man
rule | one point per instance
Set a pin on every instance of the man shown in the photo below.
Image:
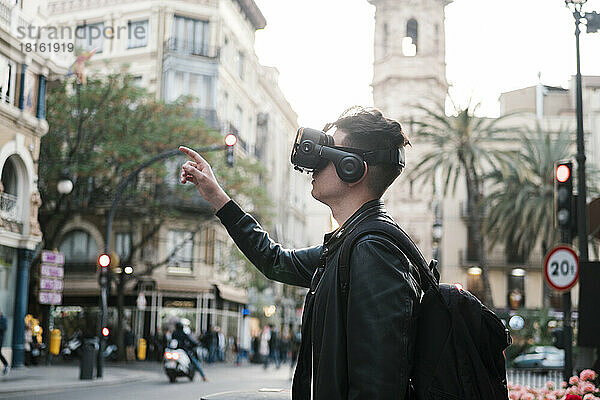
(187, 343)
(3, 326)
(361, 349)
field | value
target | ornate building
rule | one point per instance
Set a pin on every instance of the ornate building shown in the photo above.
(24, 72)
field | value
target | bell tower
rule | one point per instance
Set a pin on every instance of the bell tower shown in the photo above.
(409, 70)
(409, 64)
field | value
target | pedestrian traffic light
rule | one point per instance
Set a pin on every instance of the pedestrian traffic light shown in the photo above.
(104, 260)
(230, 141)
(559, 338)
(563, 194)
(593, 22)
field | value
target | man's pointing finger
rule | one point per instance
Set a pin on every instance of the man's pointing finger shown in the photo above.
(193, 155)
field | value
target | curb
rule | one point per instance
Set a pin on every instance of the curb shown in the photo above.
(73, 385)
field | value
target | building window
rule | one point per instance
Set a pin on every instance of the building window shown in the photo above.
(6, 80)
(10, 206)
(409, 42)
(515, 297)
(123, 245)
(138, 34)
(238, 118)
(209, 246)
(386, 35)
(180, 247)
(90, 37)
(80, 250)
(190, 36)
(240, 64)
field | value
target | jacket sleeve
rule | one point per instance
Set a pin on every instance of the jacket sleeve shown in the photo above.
(381, 299)
(294, 267)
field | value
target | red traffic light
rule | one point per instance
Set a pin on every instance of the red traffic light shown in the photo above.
(230, 139)
(563, 173)
(104, 260)
(105, 331)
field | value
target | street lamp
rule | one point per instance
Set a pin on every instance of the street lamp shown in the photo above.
(582, 235)
(65, 184)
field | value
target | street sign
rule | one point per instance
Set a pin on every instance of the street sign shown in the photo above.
(561, 268)
(51, 257)
(50, 297)
(50, 278)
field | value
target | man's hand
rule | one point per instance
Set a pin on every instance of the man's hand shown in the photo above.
(200, 174)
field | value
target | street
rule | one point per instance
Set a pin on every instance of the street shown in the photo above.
(155, 385)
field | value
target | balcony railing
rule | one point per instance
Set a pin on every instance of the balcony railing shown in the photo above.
(191, 48)
(9, 207)
(11, 17)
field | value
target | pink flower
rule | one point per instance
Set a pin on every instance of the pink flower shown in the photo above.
(589, 396)
(514, 395)
(560, 393)
(563, 384)
(528, 396)
(587, 375)
(587, 387)
(550, 385)
(550, 397)
(573, 380)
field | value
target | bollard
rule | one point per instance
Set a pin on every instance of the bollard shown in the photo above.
(141, 353)
(55, 341)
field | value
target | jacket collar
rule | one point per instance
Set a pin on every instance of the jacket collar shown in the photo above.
(371, 206)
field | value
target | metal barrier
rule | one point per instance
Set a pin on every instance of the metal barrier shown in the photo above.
(535, 378)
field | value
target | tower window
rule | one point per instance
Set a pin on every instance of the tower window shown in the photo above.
(409, 42)
(386, 35)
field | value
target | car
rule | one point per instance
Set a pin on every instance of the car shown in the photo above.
(543, 357)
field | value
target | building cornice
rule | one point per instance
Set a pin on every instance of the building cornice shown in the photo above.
(253, 13)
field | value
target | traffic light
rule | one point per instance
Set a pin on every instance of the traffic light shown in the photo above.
(563, 195)
(104, 260)
(230, 141)
(105, 332)
(593, 21)
(558, 335)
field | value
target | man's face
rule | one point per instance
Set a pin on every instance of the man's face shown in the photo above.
(326, 184)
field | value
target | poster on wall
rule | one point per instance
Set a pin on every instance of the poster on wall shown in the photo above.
(30, 92)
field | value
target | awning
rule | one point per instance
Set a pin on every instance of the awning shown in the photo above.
(183, 285)
(231, 293)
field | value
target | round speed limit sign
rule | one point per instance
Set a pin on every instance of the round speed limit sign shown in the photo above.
(562, 268)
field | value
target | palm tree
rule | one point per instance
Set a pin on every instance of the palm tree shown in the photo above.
(521, 200)
(459, 149)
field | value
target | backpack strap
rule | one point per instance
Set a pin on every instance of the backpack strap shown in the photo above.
(428, 273)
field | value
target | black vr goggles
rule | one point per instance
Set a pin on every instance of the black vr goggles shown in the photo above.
(313, 149)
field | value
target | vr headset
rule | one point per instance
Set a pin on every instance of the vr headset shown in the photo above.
(313, 149)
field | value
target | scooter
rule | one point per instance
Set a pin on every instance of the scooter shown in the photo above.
(177, 363)
(72, 347)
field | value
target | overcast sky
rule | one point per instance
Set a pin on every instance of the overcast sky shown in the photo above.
(324, 50)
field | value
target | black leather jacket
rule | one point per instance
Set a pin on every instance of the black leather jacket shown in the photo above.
(370, 356)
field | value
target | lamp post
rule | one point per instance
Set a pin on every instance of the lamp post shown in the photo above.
(582, 234)
(104, 279)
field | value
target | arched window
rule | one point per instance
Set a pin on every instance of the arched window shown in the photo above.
(79, 246)
(409, 43)
(10, 193)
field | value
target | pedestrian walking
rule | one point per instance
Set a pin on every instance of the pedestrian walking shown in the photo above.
(263, 349)
(3, 326)
(358, 348)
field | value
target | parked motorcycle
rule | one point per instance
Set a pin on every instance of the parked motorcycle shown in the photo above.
(177, 363)
(72, 347)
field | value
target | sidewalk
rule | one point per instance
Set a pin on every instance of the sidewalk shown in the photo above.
(62, 376)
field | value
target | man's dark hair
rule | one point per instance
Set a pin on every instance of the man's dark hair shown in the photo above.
(368, 129)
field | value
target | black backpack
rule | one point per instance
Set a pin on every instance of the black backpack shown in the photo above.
(460, 342)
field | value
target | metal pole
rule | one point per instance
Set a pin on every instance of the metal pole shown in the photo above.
(109, 220)
(582, 232)
(567, 321)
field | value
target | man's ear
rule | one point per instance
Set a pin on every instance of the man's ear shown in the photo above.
(362, 178)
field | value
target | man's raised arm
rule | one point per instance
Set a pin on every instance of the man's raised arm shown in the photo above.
(294, 267)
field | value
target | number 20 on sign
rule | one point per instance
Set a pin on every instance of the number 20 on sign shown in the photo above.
(561, 268)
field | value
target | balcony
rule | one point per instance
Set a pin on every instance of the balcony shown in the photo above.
(209, 115)
(11, 17)
(10, 213)
(189, 48)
